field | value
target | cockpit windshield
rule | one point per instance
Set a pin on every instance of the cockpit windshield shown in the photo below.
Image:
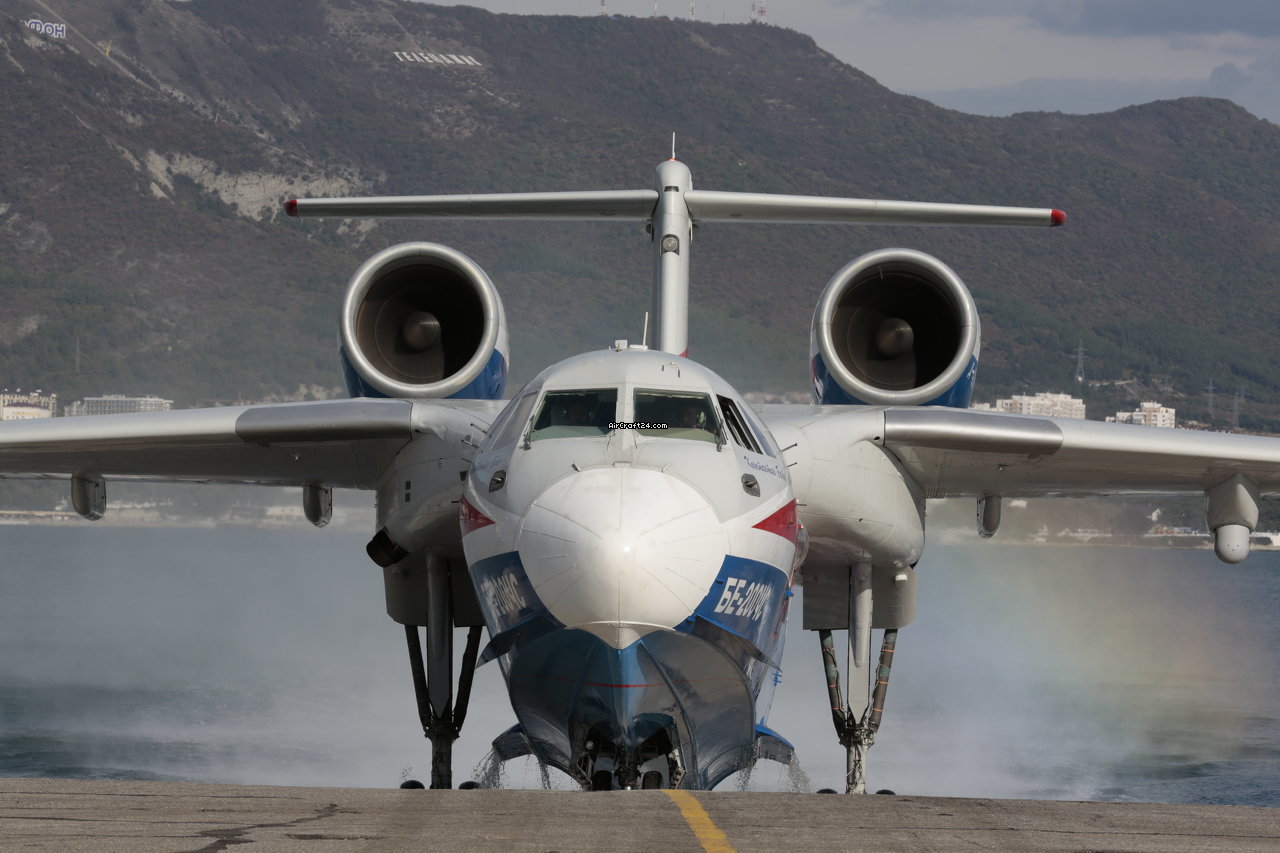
(671, 414)
(575, 414)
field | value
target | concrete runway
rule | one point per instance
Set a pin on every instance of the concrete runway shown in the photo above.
(73, 815)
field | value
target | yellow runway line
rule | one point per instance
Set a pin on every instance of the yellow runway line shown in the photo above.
(708, 834)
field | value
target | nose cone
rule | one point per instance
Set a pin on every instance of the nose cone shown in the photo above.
(621, 551)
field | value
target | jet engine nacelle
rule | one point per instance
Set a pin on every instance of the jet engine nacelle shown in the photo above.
(895, 327)
(422, 320)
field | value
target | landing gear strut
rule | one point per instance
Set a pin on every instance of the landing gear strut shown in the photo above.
(857, 735)
(433, 683)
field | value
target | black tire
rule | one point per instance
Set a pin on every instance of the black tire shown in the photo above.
(468, 786)
(651, 780)
(412, 783)
(602, 780)
(826, 790)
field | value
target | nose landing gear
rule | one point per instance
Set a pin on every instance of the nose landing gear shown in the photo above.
(654, 764)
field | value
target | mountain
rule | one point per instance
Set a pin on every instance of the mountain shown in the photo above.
(148, 150)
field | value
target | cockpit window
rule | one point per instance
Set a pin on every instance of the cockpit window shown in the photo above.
(510, 424)
(676, 415)
(737, 426)
(575, 414)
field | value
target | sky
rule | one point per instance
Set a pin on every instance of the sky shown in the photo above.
(997, 57)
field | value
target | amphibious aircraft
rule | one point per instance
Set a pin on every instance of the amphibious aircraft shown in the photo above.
(626, 527)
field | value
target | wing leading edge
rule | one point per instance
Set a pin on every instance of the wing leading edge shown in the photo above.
(861, 473)
(964, 453)
(339, 443)
(967, 453)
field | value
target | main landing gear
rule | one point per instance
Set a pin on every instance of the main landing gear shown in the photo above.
(856, 731)
(433, 675)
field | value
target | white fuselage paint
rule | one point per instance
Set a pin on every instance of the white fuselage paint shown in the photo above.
(626, 532)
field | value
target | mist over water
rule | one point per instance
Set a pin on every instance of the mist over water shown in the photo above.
(254, 656)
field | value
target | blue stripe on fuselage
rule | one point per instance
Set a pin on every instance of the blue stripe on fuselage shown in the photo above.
(506, 597)
(749, 599)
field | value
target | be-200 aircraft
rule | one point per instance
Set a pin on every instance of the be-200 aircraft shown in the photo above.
(626, 527)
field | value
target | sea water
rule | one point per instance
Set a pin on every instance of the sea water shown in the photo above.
(265, 656)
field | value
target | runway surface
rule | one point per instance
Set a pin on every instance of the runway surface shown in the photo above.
(74, 815)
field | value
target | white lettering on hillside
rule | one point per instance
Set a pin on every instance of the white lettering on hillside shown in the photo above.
(435, 58)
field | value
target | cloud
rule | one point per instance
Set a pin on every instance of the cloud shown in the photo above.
(1055, 94)
(1256, 87)
(1099, 17)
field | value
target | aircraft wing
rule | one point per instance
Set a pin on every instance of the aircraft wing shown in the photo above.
(955, 453)
(339, 443)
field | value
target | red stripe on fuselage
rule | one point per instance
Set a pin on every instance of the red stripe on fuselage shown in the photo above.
(782, 522)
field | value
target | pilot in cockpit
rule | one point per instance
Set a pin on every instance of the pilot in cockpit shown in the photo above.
(689, 415)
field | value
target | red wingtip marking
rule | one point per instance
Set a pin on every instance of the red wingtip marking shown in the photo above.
(291, 207)
(1057, 217)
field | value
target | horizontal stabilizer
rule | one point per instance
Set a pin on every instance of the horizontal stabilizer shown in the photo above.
(703, 206)
(609, 204)
(707, 206)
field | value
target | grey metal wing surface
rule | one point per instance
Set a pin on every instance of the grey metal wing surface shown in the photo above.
(337, 443)
(955, 453)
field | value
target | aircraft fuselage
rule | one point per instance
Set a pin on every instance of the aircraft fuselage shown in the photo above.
(630, 530)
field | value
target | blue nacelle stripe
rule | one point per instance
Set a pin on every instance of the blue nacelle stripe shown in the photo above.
(488, 385)
(829, 393)
(491, 382)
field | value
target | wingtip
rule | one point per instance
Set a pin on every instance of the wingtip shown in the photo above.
(1057, 217)
(291, 207)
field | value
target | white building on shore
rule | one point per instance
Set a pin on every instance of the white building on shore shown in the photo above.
(1149, 413)
(27, 405)
(117, 404)
(1043, 403)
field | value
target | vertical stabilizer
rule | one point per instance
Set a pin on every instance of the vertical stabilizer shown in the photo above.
(672, 233)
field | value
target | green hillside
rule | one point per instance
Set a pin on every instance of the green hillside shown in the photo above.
(148, 152)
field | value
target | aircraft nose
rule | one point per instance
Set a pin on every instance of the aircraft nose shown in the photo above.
(621, 551)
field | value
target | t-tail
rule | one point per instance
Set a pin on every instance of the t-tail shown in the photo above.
(893, 327)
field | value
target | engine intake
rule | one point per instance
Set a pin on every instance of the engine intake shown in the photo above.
(422, 320)
(895, 327)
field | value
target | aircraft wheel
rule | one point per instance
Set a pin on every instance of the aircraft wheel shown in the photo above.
(826, 790)
(412, 783)
(602, 780)
(468, 786)
(651, 780)
(886, 791)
